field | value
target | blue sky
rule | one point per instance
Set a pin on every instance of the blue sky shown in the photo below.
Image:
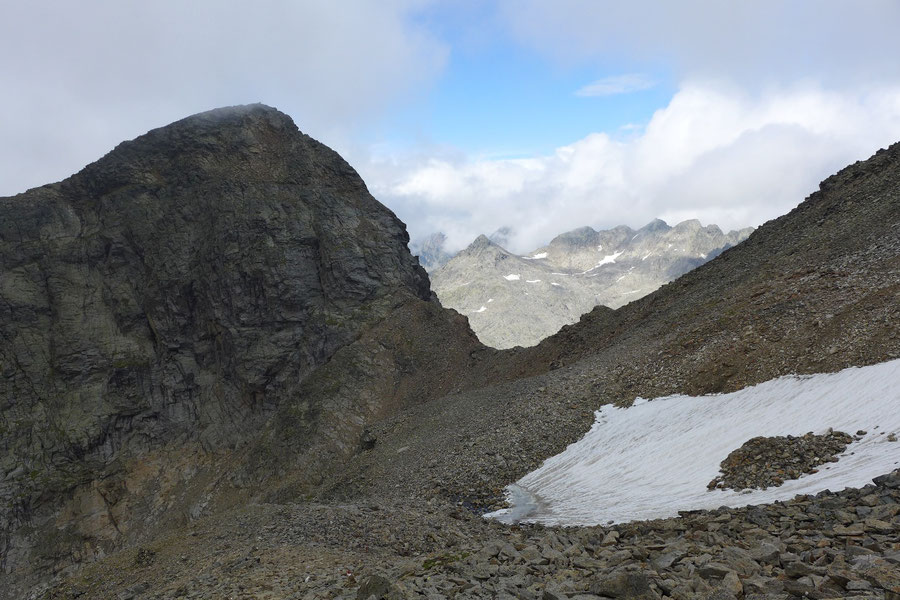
(497, 97)
(470, 115)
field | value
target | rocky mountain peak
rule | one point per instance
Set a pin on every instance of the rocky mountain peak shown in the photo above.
(517, 300)
(181, 291)
(654, 226)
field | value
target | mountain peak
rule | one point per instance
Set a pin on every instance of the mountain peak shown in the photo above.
(655, 225)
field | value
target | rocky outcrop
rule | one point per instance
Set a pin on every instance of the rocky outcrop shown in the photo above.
(513, 300)
(159, 309)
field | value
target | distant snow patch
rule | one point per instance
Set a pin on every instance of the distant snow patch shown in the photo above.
(490, 300)
(599, 248)
(631, 292)
(537, 256)
(648, 256)
(532, 281)
(702, 256)
(554, 283)
(622, 277)
(480, 310)
(610, 258)
(654, 459)
(512, 277)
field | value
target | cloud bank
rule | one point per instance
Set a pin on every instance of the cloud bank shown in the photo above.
(714, 153)
(79, 77)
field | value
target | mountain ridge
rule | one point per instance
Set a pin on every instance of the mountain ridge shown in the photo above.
(517, 300)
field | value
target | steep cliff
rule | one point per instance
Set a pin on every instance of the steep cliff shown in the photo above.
(167, 306)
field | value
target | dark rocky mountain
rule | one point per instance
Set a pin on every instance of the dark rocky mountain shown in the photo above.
(362, 470)
(513, 300)
(208, 293)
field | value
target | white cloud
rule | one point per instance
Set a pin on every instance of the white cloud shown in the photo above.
(81, 77)
(765, 41)
(714, 153)
(617, 84)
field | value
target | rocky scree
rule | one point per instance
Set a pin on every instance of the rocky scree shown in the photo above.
(764, 462)
(830, 545)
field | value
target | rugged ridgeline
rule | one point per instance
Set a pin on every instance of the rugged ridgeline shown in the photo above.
(451, 423)
(183, 318)
(515, 300)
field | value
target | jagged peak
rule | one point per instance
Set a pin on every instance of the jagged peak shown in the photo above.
(482, 242)
(689, 225)
(655, 225)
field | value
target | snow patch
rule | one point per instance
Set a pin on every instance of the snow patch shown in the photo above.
(532, 281)
(480, 310)
(490, 300)
(702, 255)
(512, 277)
(648, 256)
(554, 283)
(631, 292)
(610, 258)
(656, 458)
(537, 256)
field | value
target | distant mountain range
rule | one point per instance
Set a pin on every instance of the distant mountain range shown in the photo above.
(513, 300)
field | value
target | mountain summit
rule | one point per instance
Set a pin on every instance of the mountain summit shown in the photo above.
(513, 300)
(177, 296)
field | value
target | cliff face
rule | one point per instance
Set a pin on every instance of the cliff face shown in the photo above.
(178, 293)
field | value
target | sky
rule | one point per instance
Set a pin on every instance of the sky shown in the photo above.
(466, 116)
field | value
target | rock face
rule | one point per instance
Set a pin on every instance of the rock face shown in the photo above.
(180, 292)
(515, 300)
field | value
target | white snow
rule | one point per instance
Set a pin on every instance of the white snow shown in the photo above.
(480, 310)
(606, 260)
(600, 248)
(646, 257)
(702, 255)
(537, 256)
(622, 277)
(610, 258)
(512, 277)
(554, 283)
(490, 300)
(631, 292)
(532, 281)
(635, 237)
(656, 458)
(566, 274)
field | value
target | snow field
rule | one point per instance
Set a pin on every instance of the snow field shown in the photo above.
(656, 458)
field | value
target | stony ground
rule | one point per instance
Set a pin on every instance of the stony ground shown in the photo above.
(764, 462)
(826, 546)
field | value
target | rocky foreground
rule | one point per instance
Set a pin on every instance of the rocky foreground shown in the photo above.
(831, 545)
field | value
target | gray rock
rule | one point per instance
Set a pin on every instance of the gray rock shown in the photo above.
(183, 289)
(625, 585)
